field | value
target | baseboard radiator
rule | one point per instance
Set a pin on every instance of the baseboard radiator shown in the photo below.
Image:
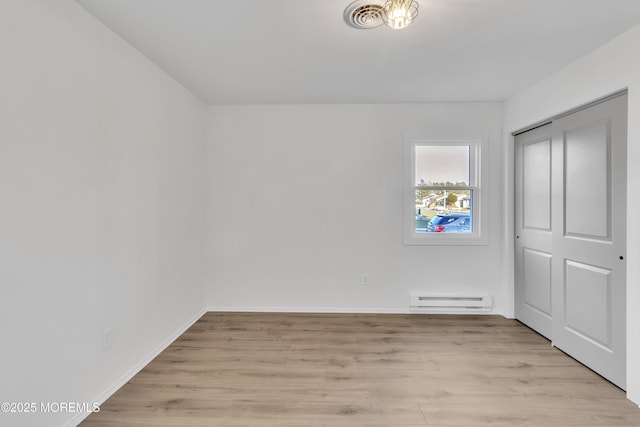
(451, 303)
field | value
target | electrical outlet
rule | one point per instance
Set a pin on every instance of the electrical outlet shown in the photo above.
(365, 280)
(107, 338)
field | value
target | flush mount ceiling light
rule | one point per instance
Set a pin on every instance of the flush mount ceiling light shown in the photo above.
(396, 14)
(399, 14)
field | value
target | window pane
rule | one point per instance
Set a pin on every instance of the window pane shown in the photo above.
(442, 211)
(442, 164)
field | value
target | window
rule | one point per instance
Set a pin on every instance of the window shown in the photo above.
(443, 194)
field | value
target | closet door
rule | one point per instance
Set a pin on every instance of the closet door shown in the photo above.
(571, 234)
(589, 237)
(533, 229)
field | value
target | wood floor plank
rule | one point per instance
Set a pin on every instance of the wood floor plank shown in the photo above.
(286, 370)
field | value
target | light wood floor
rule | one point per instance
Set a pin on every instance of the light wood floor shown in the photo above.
(258, 369)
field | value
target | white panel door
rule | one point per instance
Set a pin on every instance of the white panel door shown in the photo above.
(589, 237)
(533, 229)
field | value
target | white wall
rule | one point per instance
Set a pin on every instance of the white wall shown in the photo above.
(613, 67)
(101, 207)
(304, 199)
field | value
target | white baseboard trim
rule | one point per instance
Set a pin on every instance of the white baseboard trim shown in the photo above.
(79, 417)
(367, 310)
(354, 310)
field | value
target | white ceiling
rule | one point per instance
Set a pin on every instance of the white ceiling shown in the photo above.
(302, 51)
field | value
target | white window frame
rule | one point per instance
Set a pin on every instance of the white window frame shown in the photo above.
(478, 169)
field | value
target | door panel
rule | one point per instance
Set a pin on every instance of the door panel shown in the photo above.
(588, 305)
(533, 229)
(589, 199)
(536, 177)
(537, 280)
(587, 180)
